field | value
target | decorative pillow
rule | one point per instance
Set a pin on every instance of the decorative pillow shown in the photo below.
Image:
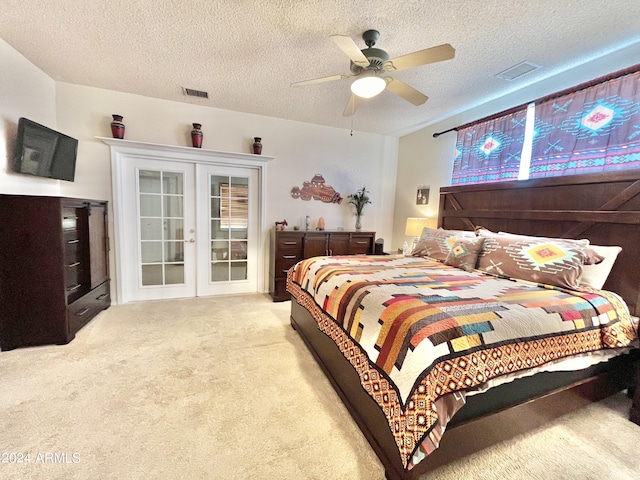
(464, 253)
(596, 275)
(436, 243)
(552, 261)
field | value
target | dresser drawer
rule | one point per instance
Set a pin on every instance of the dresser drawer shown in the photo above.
(284, 262)
(288, 245)
(74, 289)
(73, 260)
(360, 245)
(289, 253)
(289, 241)
(69, 219)
(71, 241)
(72, 277)
(87, 307)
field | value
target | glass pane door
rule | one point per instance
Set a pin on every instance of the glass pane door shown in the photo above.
(157, 234)
(229, 225)
(161, 207)
(231, 240)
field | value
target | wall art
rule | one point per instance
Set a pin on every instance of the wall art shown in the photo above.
(422, 196)
(316, 189)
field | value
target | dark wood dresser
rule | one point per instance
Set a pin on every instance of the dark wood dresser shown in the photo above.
(290, 246)
(54, 268)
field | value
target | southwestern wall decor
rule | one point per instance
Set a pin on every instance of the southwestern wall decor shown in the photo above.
(317, 190)
(422, 196)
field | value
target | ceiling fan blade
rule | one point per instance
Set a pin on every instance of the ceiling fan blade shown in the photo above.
(421, 57)
(403, 90)
(349, 47)
(352, 106)
(320, 80)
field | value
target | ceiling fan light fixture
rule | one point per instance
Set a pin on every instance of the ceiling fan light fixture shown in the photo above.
(368, 85)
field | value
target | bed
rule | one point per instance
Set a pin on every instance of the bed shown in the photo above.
(402, 412)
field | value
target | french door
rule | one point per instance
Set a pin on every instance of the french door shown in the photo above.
(190, 229)
(228, 237)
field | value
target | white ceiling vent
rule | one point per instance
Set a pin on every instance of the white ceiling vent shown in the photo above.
(195, 93)
(517, 71)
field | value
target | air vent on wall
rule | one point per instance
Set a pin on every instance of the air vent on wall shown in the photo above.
(517, 71)
(195, 93)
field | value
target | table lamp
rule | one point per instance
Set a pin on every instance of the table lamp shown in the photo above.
(415, 225)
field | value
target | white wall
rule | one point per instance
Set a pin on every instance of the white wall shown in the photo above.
(301, 150)
(423, 159)
(25, 91)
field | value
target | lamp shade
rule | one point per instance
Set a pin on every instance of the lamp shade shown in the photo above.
(368, 85)
(415, 225)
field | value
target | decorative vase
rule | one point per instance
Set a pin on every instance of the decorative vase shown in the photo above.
(257, 145)
(358, 222)
(117, 127)
(196, 135)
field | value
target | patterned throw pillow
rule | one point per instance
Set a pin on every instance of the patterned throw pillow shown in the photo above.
(552, 261)
(436, 243)
(464, 253)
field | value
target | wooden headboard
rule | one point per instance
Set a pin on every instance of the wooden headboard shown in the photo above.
(605, 208)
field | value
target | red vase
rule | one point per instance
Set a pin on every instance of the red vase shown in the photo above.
(257, 145)
(196, 135)
(117, 127)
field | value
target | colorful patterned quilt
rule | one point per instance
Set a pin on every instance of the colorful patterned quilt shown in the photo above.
(416, 330)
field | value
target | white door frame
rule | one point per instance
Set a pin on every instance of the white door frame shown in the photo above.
(123, 151)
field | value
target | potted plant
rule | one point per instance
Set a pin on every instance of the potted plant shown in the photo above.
(359, 200)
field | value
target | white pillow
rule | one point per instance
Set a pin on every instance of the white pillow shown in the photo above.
(581, 241)
(596, 275)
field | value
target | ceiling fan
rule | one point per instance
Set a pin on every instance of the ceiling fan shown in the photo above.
(370, 64)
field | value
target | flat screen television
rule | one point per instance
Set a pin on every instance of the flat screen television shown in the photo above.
(43, 152)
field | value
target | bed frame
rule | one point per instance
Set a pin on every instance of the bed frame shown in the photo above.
(605, 208)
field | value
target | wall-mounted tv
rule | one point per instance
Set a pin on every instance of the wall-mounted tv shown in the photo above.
(44, 152)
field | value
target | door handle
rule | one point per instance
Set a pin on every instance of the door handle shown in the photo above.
(191, 240)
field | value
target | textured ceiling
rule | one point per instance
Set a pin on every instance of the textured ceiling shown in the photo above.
(246, 53)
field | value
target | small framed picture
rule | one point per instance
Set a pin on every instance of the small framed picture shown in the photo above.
(422, 195)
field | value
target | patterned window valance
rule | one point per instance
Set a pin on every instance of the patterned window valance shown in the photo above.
(590, 129)
(490, 151)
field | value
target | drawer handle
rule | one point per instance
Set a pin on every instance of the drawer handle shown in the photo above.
(73, 241)
(79, 314)
(75, 264)
(74, 287)
(290, 243)
(102, 297)
(362, 243)
(288, 257)
(285, 270)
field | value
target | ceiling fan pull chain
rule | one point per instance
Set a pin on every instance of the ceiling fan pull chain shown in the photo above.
(353, 112)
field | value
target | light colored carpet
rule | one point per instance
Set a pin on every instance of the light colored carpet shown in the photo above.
(223, 388)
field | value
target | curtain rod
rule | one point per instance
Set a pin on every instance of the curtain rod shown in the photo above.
(566, 91)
